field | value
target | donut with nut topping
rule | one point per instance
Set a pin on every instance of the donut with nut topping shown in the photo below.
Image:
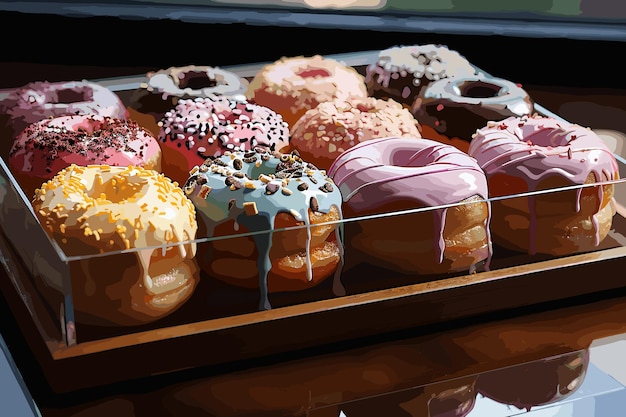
(281, 216)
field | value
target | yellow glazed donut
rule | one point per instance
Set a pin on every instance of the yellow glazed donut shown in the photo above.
(96, 209)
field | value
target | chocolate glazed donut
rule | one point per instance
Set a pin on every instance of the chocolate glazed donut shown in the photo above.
(455, 107)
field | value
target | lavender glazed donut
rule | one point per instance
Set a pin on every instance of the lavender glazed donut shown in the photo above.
(443, 228)
(205, 127)
(49, 145)
(532, 154)
(42, 100)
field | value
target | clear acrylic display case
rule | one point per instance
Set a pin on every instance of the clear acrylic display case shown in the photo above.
(227, 321)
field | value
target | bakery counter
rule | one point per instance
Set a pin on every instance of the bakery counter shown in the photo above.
(525, 352)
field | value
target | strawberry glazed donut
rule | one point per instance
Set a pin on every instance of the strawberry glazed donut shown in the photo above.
(332, 127)
(207, 126)
(260, 191)
(293, 85)
(136, 212)
(42, 100)
(47, 146)
(532, 154)
(428, 201)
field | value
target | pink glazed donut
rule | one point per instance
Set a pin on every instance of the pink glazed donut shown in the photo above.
(531, 154)
(40, 100)
(427, 201)
(50, 145)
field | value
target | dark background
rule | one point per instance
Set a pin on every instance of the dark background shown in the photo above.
(94, 42)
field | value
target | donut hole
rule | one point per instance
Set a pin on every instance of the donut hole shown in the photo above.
(68, 96)
(196, 80)
(313, 73)
(478, 89)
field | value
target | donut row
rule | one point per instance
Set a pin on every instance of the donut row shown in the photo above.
(284, 180)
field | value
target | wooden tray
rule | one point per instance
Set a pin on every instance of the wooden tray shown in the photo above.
(206, 332)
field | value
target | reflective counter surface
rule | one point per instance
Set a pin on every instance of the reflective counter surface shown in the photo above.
(557, 360)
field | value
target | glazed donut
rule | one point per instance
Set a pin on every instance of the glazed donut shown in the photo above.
(207, 126)
(258, 191)
(163, 88)
(49, 145)
(434, 198)
(332, 127)
(456, 107)
(532, 153)
(537, 383)
(98, 209)
(42, 100)
(293, 85)
(400, 72)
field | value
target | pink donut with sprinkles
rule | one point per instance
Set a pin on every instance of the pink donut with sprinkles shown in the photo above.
(48, 146)
(204, 127)
(525, 156)
(42, 100)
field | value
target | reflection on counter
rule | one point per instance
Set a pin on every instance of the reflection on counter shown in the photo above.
(563, 385)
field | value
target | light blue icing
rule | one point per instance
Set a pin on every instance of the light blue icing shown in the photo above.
(301, 187)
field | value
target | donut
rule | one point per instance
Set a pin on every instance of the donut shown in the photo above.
(42, 100)
(207, 126)
(400, 72)
(263, 192)
(523, 156)
(49, 145)
(162, 89)
(456, 107)
(293, 85)
(537, 383)
(142, 220)
(421, 205)
(332, 127)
